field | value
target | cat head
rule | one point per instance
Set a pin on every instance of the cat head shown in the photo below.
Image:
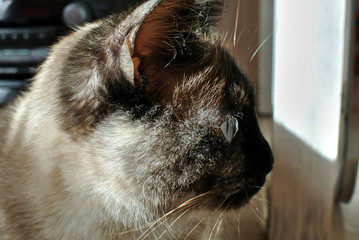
(157, 77)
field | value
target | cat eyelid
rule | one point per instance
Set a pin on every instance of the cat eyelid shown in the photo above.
(239, 115)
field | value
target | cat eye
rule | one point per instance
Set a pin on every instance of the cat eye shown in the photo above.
(230, 128)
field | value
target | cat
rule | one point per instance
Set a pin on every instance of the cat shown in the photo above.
(137, 126)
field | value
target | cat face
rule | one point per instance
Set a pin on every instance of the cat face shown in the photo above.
(167, 104)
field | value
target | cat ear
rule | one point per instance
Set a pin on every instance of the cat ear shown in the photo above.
(168, 44)
(173, 25)
(161, 33)
(128, 63)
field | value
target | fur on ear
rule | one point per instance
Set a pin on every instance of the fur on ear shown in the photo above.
(125, 34)
(128, 63)
(169, 44)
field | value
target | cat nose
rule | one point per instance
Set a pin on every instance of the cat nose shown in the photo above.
(258, 149)
(266, 156)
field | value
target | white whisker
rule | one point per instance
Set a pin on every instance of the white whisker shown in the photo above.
(218, 227)
(174, 222)
(236, 24)
(220, 218)
(239, 224)
(260, 46)
(190, 232)
(255, 213)
(189, 204)
(261, 199)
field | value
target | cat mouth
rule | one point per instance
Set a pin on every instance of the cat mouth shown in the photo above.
(237, 193)
(233, 193)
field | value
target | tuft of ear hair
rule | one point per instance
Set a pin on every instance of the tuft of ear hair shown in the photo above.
(167, 44)
(167, 33)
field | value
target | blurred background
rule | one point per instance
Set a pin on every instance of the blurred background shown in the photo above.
(302, 56)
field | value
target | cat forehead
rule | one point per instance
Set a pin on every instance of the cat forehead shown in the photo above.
(221, 86)
(240, 91)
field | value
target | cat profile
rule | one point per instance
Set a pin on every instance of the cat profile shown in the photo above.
(137, 126)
